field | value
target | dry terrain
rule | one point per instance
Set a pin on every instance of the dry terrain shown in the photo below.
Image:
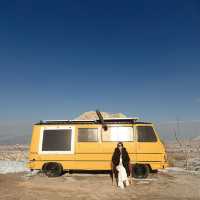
(168, 185)
(173, 183)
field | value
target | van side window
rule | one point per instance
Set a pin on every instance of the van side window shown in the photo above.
(57, 140)
(117, 133)
(146, 134)
(87, 134)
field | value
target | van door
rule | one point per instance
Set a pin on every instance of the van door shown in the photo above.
(88, 144)
(149, 147)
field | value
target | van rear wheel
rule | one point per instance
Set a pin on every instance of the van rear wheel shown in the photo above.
(140, 171)
(52, 169)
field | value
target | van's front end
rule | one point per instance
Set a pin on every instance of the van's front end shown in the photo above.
(165, 162)
(150, 151)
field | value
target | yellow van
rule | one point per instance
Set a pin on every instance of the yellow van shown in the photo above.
(62, 145)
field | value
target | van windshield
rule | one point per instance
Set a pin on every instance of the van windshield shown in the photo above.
(146, 134)
(118, 134)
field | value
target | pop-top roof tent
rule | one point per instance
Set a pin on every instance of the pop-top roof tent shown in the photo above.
(101, 120)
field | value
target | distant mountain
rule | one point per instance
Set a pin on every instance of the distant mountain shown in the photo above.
(17, 139)
(197, 138)
(184, 129)
(13, 132)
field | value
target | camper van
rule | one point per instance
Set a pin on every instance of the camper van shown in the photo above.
(63, 145)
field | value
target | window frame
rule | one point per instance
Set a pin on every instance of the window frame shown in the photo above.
(87, 141)
(56, 128)
(133, 135)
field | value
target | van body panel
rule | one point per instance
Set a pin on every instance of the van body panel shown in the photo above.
(95, 155)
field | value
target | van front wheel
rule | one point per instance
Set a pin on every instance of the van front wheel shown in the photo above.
(140, 171)
(52, 169)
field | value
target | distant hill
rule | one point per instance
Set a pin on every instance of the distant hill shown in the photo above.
(187, 129)
(13, 132)
(17, 139)
(197, 138)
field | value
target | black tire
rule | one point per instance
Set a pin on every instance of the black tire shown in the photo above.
(154, 171)
(52, 169)
(140, 171)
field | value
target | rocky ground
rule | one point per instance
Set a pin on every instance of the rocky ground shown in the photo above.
(186, 155)
(163, 185)
(173, 183)
(16, 152)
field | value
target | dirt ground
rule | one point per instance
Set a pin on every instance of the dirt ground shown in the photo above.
(168, 185)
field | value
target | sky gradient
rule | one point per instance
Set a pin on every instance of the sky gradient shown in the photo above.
(61, 58)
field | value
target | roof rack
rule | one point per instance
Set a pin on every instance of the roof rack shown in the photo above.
(97, 121)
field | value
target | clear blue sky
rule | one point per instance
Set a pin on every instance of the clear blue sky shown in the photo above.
(61, 58)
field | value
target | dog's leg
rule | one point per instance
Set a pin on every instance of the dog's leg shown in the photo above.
(112, 177)
(112, 173)
(130, 177)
